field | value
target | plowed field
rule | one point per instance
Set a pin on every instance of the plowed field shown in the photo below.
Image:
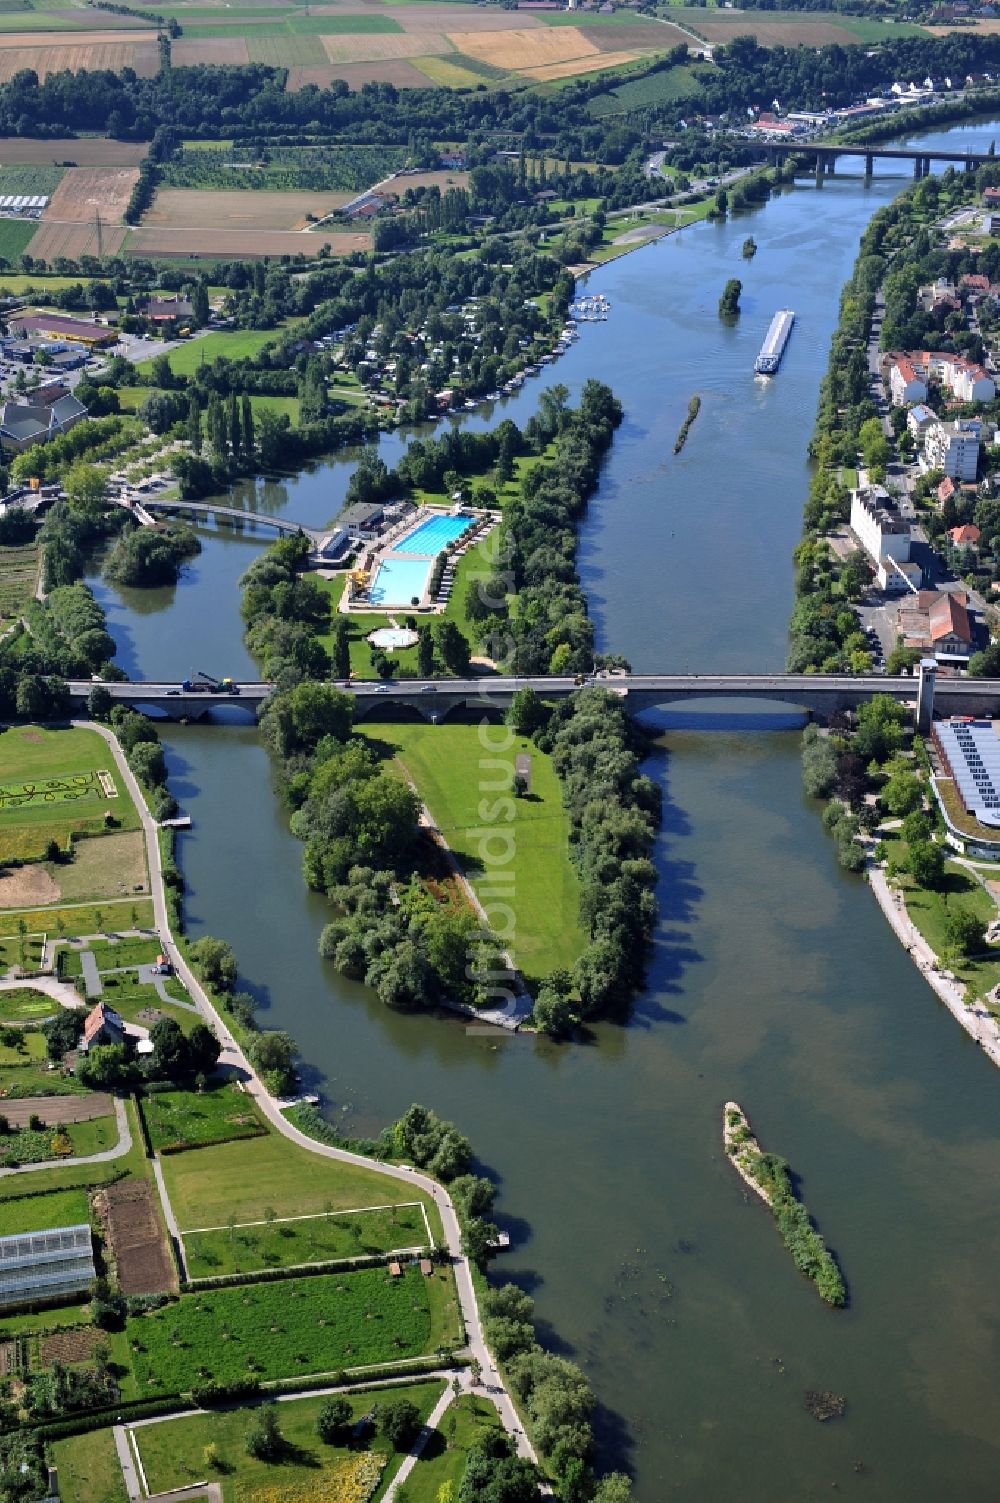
(74, 240)
(86, 191)
(128, 1211)
(188, 52)
(86, 152)
(79, 53)
(575, 65)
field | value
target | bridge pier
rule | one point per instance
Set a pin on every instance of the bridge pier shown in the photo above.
(925, 695)
(917, 167)
(869, 163)
(820, 174)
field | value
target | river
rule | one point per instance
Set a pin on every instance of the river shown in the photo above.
(774, 979)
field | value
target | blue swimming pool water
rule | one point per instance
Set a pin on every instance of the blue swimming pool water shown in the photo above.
(398, 580)
(432, 536)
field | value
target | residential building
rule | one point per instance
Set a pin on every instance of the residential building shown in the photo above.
(966, 536)
(910, 373)
(953, 448)
(878, 526)
(162, 309)
(102, 1026)
(919, 419)
(42, 1266)
(51, 326)
(906, 384)
(939, 624)
(946, 489)
(23, 424)
(896, 577)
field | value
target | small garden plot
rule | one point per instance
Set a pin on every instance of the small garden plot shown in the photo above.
(304, 1239)
(310, 1472)
(38, 1145)
(283, 1329)
(176, 1120)
(110, 955)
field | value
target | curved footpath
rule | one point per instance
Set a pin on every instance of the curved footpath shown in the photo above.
(233, 1057)
(121, 1148)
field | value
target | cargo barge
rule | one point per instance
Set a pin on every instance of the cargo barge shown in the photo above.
(773, 348)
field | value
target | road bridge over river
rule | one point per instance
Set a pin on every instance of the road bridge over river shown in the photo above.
(816, 694)
(826, 155)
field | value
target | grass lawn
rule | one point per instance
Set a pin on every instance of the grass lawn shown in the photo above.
(23, 1005)
(113, 866)
(89, 1471)
(39, 1213)
(285, 1329)
(14, 237)
(109, 954)
(83, 918)
(359, 627)
(65, 761)
(929, 910)
(172, 1452)
(241, 1179)
(186, 358)
(25, 1072)
(454, 773)
(320, 1239)
(190, 1117)
(18, 578)
(465, 1422)
(138, 1003)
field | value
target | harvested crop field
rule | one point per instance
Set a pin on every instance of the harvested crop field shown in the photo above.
(191, 52)
(86, 191)
(128, 1212)
(137, 50)
(245, 210)
(402, 74)
(442, 178)
(523, 48)
(74, 240)
(373, 47)
(85, 151)
(161, 241)
(448, 71)
(27, 887)
(636, 37)
(55, 1110)
(578, 65)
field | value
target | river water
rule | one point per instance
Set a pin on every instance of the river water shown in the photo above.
(774, 979)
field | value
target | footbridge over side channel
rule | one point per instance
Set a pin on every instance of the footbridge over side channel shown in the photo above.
(816, 694)
(209, 509)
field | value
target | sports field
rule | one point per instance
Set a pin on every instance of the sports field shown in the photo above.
(55, 781)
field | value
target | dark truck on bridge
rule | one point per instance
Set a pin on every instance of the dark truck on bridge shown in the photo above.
(203, 683)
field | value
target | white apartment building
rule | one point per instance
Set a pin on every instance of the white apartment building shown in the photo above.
(878, 526)
(953, 448)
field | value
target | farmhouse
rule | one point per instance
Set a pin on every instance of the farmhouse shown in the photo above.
(52, 1265)
(52, 326)
(160, 310)
(103, 1026)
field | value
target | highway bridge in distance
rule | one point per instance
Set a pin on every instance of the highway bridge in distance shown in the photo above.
(814, 693)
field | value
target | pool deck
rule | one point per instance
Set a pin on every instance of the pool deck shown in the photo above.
(390, 548)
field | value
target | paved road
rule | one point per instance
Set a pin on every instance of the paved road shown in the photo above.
(233, 1057)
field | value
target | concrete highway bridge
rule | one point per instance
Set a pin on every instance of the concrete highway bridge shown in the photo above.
(826, 156)
(815, 694)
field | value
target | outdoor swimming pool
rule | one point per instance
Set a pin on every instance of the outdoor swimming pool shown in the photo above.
(398, 580)
(432, 536)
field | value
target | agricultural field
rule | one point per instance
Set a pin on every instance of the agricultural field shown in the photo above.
(291, 1328)
(247, 212)
(53, 782)
(791, 28)
(401, 74)
(30, 177)
(46, 52)
(15, 237)
(18, 566)
(185, 1119)
(69, 225)
(112, 867)
(659, 88)
(318, 169)
(225, 244)
(72, 151)
(298, 1240)
(172, 1452)
(238, 1180)
(131, 1216)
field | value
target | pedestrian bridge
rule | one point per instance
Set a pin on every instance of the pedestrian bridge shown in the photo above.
(236, 514)
(816, 694)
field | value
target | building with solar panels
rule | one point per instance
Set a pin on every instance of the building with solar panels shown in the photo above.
(45, 1266)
